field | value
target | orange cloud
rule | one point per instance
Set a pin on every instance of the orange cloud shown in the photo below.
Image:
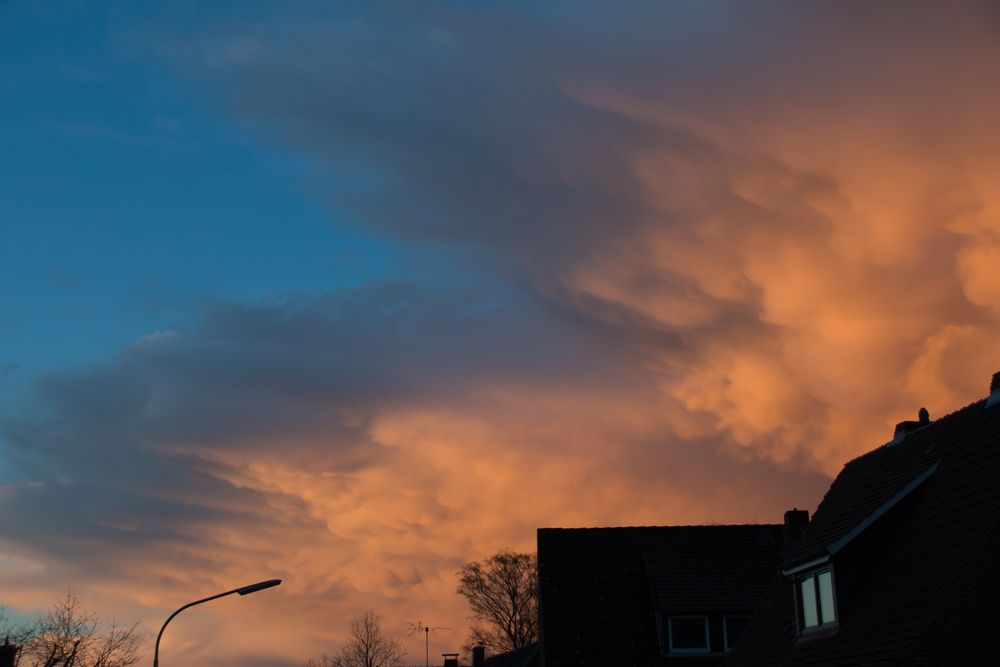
(741, 243)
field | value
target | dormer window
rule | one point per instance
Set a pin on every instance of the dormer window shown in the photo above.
(815, 600)
(688, 634)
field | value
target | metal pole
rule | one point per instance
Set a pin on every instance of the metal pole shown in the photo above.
(427, 647)
(242, 590)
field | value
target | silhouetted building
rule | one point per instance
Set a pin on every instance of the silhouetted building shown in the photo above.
(526, 656)
(901, 563)
(9, 653)
(651, 596)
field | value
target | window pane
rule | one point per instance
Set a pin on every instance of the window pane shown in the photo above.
(808, 590)
(825, 596)
(734, 626)
(688, 634)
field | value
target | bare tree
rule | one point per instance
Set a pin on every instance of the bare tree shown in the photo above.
(368, 646)
(15, 634)
(116, 646)
(503, 593)
(59, 633)
(70, 636)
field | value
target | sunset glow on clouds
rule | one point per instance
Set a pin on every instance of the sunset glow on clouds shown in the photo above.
(667, 263)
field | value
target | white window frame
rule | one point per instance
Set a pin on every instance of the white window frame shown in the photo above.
(726, 645)
(799, 602)
(688, 617)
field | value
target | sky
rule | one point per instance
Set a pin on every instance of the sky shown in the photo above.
(350, 294)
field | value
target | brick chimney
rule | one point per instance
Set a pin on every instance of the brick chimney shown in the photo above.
(906, 427)
(994, 390)
(478, 656)
(795, 523)
(450, 659)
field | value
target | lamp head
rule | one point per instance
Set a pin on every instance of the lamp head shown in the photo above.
(259, 586)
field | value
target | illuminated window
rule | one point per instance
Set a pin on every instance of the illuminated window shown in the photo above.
(815, 598)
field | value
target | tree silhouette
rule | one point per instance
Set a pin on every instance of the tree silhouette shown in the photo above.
(503, 593)
(70, 636)
(367, 646)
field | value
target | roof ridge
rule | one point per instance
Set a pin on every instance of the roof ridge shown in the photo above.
(954, 414)
(640, 527)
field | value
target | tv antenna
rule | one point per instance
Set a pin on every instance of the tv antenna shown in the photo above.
(417, 628)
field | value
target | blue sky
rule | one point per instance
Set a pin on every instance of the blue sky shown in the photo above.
(129, 197)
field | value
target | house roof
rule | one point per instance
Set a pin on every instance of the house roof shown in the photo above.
(600, 588)
(526, 656)
(912, 530)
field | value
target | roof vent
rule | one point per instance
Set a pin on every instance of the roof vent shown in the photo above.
(994, 390)
(909, 426)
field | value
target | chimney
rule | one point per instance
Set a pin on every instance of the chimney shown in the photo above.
(450, 659)
(8, 653)
(994, 390)
(478, 656)
(795, 523)
(909, 426)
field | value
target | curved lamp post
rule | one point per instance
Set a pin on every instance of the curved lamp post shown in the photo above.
(242, 590)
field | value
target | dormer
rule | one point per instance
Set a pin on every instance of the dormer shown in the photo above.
(824, 579)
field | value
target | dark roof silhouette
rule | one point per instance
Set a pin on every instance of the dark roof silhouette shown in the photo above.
(912, 530)
(601, 588)
(526, 656)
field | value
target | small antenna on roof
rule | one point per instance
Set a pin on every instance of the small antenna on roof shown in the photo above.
(417, 628)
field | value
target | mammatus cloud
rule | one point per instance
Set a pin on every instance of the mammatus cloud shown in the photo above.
(361, 445)
(788, 213)
(737, 243)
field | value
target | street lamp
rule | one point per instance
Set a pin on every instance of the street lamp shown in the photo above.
(242, 590)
